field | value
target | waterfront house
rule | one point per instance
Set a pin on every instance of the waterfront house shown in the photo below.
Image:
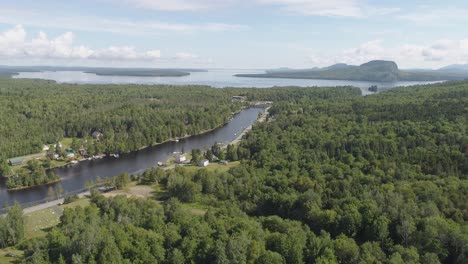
(203, 163)
(16, 161)
(180, 158)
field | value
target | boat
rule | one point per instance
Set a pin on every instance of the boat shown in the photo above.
(115, 155)
(73, 162)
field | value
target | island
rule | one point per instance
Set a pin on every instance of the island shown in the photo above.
(8, 71)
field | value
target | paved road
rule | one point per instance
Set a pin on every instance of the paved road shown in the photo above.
(50, 204)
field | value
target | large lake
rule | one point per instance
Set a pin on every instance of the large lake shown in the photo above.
(215, 78)
(75, 177)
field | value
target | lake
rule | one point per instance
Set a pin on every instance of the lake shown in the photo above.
(214, 78)
(75, 177)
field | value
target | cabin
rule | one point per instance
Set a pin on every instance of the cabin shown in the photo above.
(45, 148)
(203, 163)
(180, 158)
(16, 161)
(96, 135)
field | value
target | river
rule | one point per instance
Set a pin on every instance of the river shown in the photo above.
(75, 177)
(214, 78)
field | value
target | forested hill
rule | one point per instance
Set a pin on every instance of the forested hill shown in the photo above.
(376, 71)
(330, 178)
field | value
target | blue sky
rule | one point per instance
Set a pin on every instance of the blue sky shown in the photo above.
(233, 33)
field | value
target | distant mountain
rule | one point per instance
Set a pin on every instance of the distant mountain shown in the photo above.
(375, 71)
(455, 67)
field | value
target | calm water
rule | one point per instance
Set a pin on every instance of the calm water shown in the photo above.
(75, 177)
(215, 78)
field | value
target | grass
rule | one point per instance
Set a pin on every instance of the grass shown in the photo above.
(215, 167)
(66, 142)
(37, 222)
(82, 202)
(5, 259)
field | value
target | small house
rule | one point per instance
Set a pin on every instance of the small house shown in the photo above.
(180, 158)
(203, 163)
(45, 148)
(16, 161)
(96, 135)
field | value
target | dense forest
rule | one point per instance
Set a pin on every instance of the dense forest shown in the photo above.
(37, 112)
(332, 177)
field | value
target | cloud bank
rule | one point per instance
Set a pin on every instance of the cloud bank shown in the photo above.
(14, 44)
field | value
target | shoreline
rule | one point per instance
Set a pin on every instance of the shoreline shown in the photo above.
(33, 186)
(102, 155)
(41, 204)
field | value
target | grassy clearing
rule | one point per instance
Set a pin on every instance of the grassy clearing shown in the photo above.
(82, 202)
(37, 222)
(215, 167)
(66, 142)
(4, 259)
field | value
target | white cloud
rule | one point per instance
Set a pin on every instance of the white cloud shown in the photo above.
(436, 54)
(347, 8)
(14, 44)
(179, 5)
(336, 8)
(426, 15)
(118, 26)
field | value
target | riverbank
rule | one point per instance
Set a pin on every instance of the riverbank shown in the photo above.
(76, 177)
(261, 119)
(33, 186)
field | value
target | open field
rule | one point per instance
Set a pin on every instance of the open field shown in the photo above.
(134, 191)
(215, 167)
(5, 260)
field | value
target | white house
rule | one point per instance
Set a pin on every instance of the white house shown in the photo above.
(203, 163)
(45, 147)
(180, 158)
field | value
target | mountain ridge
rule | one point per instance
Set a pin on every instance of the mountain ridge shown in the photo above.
(375, 71)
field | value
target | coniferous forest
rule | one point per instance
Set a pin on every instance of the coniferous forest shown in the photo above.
(331, 177)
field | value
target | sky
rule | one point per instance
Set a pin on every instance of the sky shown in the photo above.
(233, 34)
